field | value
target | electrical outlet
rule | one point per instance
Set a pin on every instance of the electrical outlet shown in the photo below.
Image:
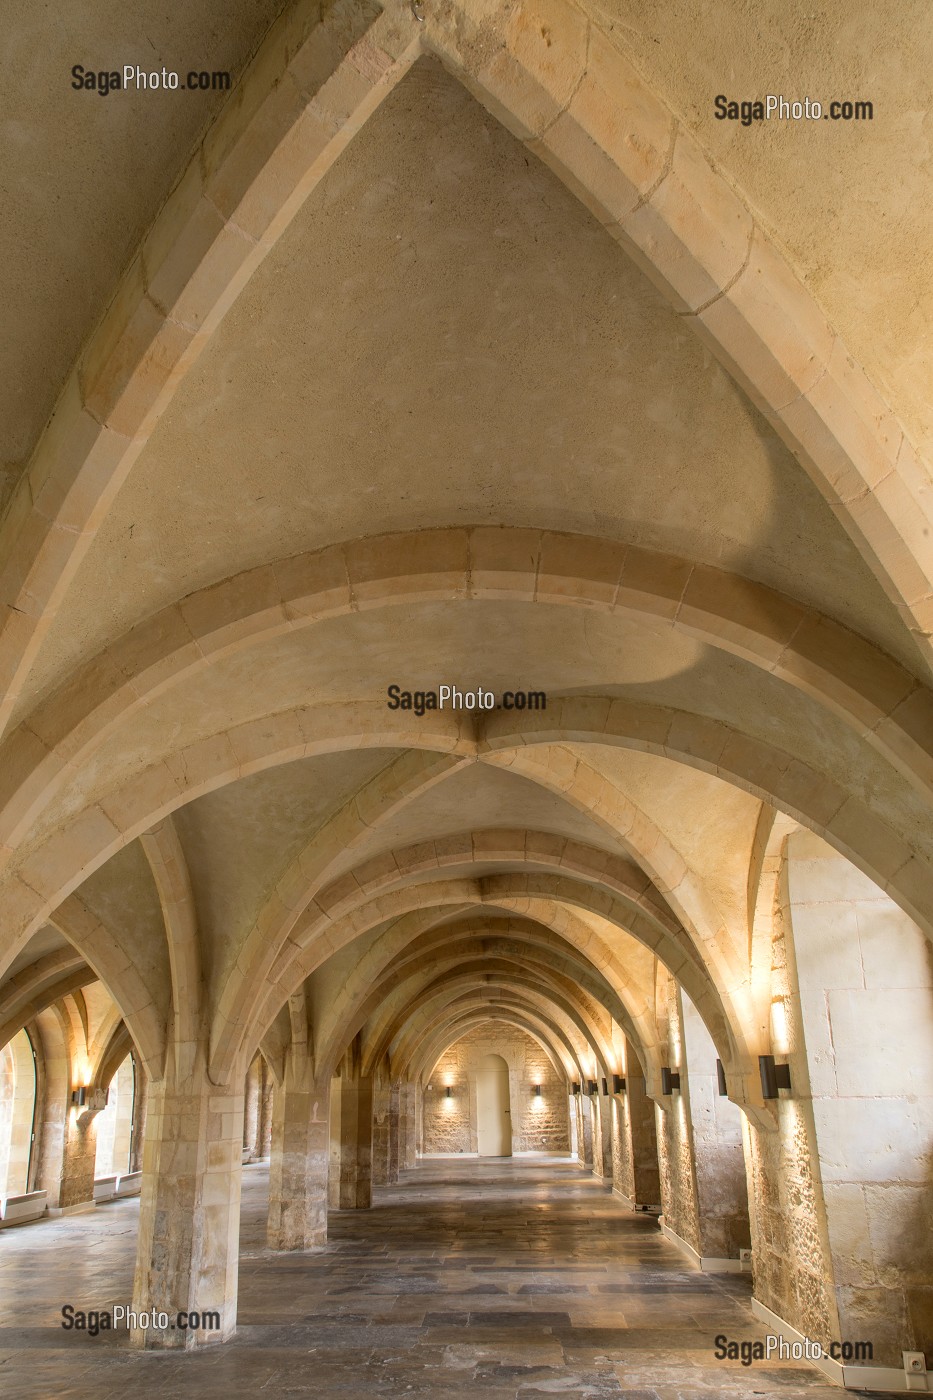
(914, 1363)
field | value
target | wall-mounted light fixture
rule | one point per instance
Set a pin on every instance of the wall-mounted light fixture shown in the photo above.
(448, 1092)
(721, 1080)
(91, 1100)
(592, 1087)
(575, 1087)
(537, 1091)
(605, 1087)
(618, 1083)
(670, 1080)
(773, 1077)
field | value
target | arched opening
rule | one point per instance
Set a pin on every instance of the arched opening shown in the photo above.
(493, 1108)
(17, 1112)
(115, 1124)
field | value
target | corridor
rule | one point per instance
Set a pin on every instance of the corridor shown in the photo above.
(514, 1278)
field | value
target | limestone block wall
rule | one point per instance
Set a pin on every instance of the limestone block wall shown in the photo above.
(634, 1141)
(539, 1123)
(790, 1257)
(716, 1126)
(790, 1248)
(252, 1106)
(675, 1138)
(17, 1097)
(863, 1022)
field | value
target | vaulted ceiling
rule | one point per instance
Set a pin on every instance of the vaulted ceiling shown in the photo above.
(453, 429)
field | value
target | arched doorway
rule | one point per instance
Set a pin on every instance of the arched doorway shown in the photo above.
(115, 1123)
(17, 1112)
(493, 1113)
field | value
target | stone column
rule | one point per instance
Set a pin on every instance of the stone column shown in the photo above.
(681, 1212)
(382, 1095)
(585, 1110)
(140, 1103)
(719, 1163)
(298, 1166)
(642, 1129)
(353, 1128)
(251, 1106)
(634, 1145)
(79, 1154)
(703, 1189)
(266, 1111)
(190, 1207)
(392, 1164)
(842, 1238)
(601, 1105)
(407, 1126)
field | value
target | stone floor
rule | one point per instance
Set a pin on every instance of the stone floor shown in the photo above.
(509, 1279)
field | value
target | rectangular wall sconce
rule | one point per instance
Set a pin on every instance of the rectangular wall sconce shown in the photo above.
(592, 1087)
(773, 1077)
(721, 1080)
(670, 1080)
(449, 1092)
(79, 1096)
(605, 1087)
(537, 1091)
(618, 1083)
(575, 1087)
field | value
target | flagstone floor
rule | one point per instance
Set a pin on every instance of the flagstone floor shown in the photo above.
(502, 1279)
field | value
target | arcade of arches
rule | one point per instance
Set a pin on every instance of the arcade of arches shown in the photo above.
(456, 346)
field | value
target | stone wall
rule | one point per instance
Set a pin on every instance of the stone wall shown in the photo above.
(634, 1139)
(539, 1123)
(675, 1136)
(716, 1127)
(857, 1124)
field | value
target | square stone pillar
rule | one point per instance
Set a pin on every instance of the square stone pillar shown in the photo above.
(266, 1111)
(842, 1238)
(642, 1133)
(189, 1213)
(601, 1106)
(382, 1096)
(719, 1160)
(352, 1126)
(407, 1126)
(702, 1163)
(79, 1155)
(392, 1163)
(585, 1128)
(298, 1167)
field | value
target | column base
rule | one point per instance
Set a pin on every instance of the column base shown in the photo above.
(844, 1374)
(708, 1264)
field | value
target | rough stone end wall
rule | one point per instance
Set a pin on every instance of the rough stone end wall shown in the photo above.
(538, 1124)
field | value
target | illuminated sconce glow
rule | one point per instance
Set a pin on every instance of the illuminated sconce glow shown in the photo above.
(537, 1091)
(779, 1035)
